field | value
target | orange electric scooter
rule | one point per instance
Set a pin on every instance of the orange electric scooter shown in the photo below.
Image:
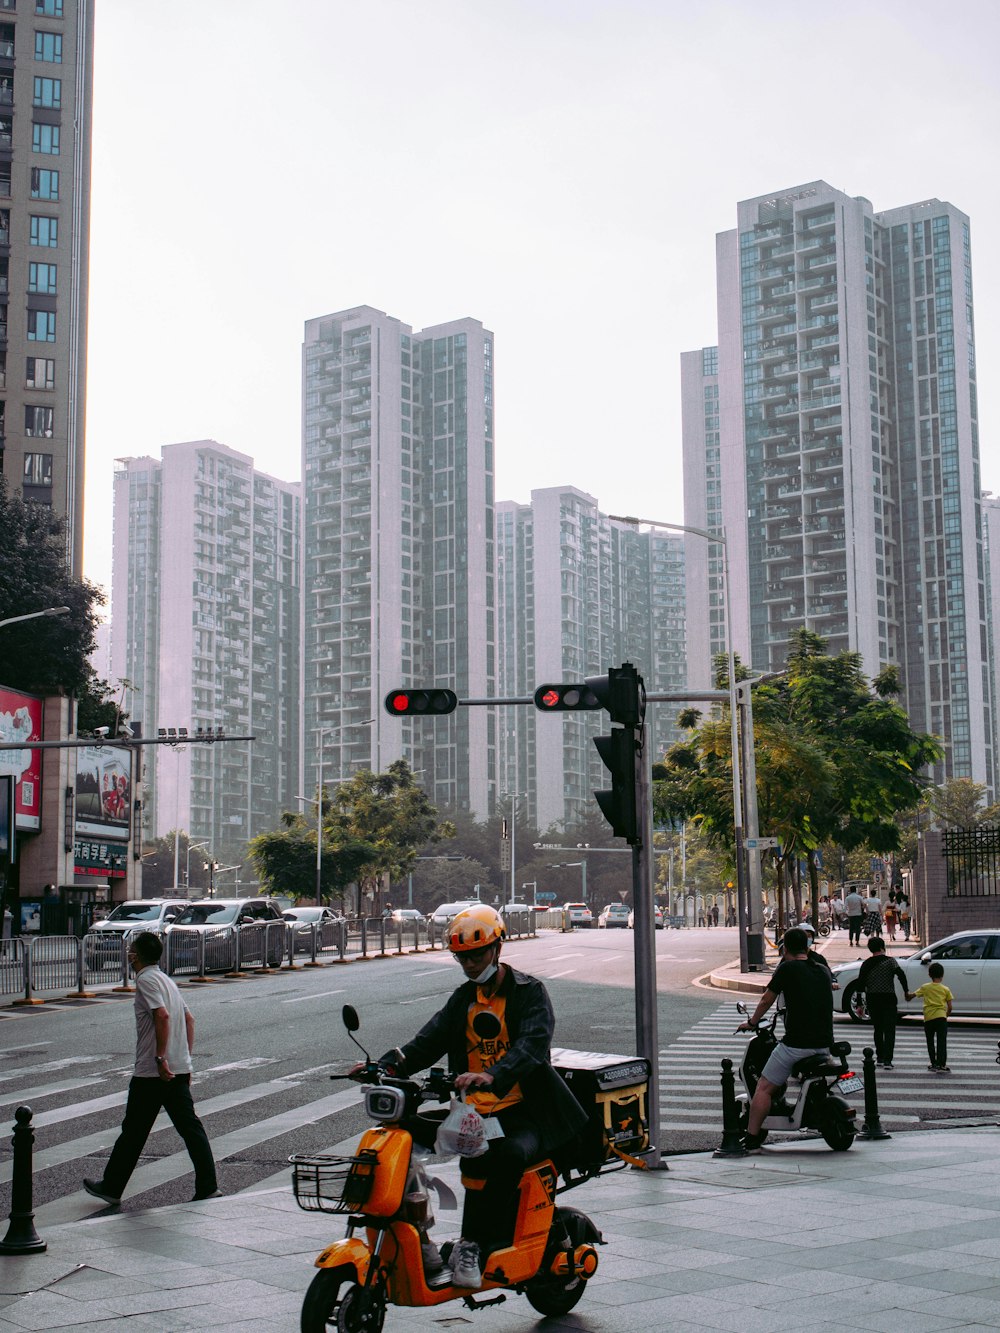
(381, 1189)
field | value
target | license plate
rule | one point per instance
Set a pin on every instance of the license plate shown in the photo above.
(850, 1083)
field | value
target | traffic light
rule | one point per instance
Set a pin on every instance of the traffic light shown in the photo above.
(420, 703)
(622, 692)
(619, 805)
(565, 698)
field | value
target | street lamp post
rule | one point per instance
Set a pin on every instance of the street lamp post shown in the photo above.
(192, 847)
(33, 615)
(513, 796)
(745, 909)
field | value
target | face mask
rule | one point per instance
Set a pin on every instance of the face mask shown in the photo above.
(485, 975)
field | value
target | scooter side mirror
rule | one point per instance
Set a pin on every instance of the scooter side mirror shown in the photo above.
(350, 1016)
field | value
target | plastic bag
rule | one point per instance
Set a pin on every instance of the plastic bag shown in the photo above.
(463, 1131)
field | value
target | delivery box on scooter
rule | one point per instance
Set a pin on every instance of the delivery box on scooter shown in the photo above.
(612, 1090)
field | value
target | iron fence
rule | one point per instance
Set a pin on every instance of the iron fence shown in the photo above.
(972, 858)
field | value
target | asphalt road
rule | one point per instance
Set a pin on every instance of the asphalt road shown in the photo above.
(265, 1048)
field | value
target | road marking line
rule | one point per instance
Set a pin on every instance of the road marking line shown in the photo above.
(318, 996)
(551, 976)
(51, 1066)
(421, 998)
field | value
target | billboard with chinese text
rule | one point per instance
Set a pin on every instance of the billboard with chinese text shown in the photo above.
(21, 720)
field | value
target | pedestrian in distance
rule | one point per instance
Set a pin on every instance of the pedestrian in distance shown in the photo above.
(903, 908)
(161, 1078)
(715, 914)
(854, 905)
(890, 918)
(937, 1000)
(877, 978)
(873, 914)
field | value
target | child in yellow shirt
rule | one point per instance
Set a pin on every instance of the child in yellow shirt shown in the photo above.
(937, 1000)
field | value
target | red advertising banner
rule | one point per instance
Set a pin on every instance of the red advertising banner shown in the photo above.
(21, 720)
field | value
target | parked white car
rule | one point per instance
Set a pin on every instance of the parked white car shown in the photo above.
(128, 918)
(579, 914)
(971, 962)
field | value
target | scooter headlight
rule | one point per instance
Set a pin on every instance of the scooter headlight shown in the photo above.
(385, 1103)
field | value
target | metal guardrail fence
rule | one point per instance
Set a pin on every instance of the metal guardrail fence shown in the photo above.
(68, 963)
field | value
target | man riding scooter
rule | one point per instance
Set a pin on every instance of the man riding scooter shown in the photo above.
(808, 1024)
(496, 1030)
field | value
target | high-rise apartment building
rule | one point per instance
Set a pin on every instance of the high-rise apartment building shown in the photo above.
(703, 508)
(46, 60)
(205, 630)
(398, 548)
(849, 449)
(578, 593)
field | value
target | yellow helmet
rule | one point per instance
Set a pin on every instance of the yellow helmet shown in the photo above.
(475, 928)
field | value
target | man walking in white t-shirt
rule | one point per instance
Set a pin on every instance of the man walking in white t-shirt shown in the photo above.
(161, 1078)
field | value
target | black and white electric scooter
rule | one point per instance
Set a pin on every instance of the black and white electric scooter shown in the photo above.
(821, 1104)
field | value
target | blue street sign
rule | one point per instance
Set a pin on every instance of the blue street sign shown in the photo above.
(544, 897)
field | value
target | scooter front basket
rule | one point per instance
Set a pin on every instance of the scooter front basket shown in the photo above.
(325, 1184)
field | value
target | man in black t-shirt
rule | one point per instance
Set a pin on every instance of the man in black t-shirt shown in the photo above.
(808, 1024)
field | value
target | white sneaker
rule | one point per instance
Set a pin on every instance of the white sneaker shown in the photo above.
(465, 1268)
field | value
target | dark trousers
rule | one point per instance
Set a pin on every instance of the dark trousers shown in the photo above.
(146, 1097)
(883, 1011)
(854, 929)
(491, 1211)
(936, 1033)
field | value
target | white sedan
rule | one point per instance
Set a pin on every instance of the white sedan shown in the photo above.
(971, 962)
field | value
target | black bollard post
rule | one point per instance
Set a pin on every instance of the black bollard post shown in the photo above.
(872, 1128)
(732, 1140)
(21, 1237)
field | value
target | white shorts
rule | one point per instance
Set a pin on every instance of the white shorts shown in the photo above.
(781, 1060)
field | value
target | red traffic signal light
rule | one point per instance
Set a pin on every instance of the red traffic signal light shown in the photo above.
(420, 703)
(565, 698)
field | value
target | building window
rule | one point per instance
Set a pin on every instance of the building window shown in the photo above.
(39, 373)
(42, 278)
(48, 92)
(52, 9)
(38, 422)
(45, 139)
(38, 469)
(44, 183)
(41, 326)
(45, 231)
(48, 47)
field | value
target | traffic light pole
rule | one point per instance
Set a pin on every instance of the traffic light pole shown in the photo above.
(646, 1015)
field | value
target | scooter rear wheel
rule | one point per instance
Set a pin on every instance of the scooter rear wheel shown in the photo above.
(334, 1300)
(548, 1293)
(838, 1132)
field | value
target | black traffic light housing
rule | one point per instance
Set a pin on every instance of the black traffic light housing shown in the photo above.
(619, 805)
(566, 698)
(623, 693)
(420, 703)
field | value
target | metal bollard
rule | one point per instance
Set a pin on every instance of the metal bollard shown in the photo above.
(732, 1139)
(21, 1237)
(872, 1128)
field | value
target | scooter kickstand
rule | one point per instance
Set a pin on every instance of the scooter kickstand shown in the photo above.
(481, 1305)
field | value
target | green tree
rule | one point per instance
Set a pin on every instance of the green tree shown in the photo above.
(393, 815)
(958, 803)
(285, 858)
(836, 759)
(48, 655)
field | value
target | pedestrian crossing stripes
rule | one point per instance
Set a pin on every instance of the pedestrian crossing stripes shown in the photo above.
(77, 1103)
(908, 1095)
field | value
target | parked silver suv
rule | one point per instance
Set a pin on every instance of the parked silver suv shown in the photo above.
(153, 914)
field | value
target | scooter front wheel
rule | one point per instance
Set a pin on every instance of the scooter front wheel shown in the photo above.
(334, 1300)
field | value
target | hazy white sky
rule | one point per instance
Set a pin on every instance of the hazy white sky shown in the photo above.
(555, 168)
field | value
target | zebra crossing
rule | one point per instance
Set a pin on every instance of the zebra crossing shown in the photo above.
(908, 1095)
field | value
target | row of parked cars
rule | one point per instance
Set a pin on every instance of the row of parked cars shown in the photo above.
(615, 914)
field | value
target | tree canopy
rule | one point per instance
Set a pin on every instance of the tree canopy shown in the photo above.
(836, 757)
(48, 655)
